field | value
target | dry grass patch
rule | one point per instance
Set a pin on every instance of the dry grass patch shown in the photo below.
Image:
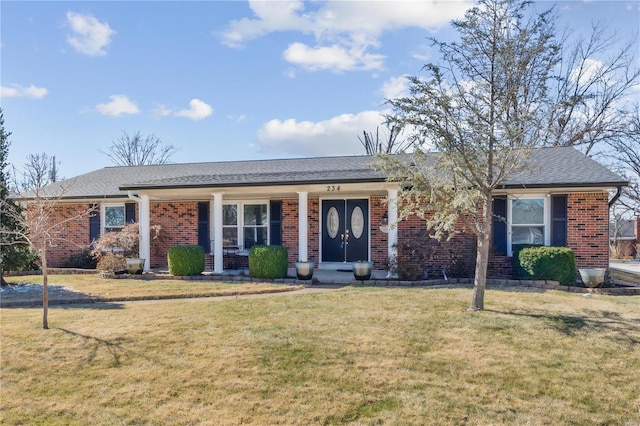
(355, 356)
(134, 289)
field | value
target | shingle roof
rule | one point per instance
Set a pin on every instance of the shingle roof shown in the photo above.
(551, 167)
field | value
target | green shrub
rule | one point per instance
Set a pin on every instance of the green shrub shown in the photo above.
(268, 262)
(19, 257)
(549, 263)
(185, 260)
(516, 268)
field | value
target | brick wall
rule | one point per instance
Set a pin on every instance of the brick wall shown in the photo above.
(70, 238)
(588, 217)
(179, 221)
(378, 239)
(588, 229)
(314, 225)
(290, 228)
(429, 256)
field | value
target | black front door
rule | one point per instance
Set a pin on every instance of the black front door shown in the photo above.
(345, 230)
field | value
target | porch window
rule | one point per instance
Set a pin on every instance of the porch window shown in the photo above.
(528, 221)
(114, 217)
(245, 225)
(256, 224)
(230, 225)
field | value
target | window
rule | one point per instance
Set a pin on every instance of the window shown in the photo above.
(247, 229)
(114, 217)
(528, 221)
(230, 225)
(256, 225)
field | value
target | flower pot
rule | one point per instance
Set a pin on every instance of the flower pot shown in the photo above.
(135, 266)
(361, 270)
(592, 277)
(304, 270)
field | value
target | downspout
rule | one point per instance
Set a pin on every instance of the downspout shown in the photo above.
(144, 248)
(615, 197)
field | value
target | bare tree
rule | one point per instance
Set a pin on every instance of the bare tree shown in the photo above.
(39, 223)
(136, 150)
(484, 110)
(39, 171)
(388, 145)
(625, 154)
(590, 94)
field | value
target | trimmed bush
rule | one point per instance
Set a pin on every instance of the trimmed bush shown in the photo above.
(268, 262)
(185, 260)
(516, 268)
(549, 263)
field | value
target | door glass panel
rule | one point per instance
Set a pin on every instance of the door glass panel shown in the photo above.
(333, 222)
(357, 222)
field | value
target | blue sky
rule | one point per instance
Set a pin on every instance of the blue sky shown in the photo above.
(222, 80)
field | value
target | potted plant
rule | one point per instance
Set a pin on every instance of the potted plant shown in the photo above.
(361, 270)
(124, 243)
(304, 269)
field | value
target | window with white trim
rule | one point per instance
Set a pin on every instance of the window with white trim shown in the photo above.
(230, 225)
(528, 221)
(255, 228)
(249, 228)
(114, 217)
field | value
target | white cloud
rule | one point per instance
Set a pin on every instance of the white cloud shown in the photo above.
(335, 136)
(346, 28)
(90, 36)
(395, 87)
(17, 91)
(335, 58)
(120, 104)
(587, 72)
(198, 110)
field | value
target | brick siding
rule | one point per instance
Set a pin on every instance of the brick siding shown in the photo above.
(588, 229)
(588, 218)
(70, 238)
(179, 221)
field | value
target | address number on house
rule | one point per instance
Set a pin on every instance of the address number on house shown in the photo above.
(333, 188)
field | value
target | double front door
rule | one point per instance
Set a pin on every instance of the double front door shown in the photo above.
(345, 230)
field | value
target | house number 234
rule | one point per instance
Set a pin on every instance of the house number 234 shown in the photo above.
(333, 188)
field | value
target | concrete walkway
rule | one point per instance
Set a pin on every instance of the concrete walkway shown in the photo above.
(631, 267)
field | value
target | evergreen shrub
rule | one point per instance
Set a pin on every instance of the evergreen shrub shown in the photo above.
(549, 263)
(185, 260)
(268, 262)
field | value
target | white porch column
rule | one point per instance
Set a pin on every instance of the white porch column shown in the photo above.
(303, 226)
(392, 213)
(144, 228)
(218, 264)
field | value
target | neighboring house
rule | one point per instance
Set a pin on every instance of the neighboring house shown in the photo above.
(624, 236)
(335, 209)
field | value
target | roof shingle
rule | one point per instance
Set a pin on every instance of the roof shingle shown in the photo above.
(559, 166)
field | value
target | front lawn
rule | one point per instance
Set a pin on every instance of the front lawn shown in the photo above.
(357, 355)
(133, 289)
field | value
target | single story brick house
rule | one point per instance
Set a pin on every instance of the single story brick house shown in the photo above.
(624, 235)
(333, 210)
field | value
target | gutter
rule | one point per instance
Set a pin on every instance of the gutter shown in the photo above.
(615, 197)
(133, 197)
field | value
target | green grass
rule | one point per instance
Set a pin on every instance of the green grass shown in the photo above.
(133, 289)
(356, 356)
